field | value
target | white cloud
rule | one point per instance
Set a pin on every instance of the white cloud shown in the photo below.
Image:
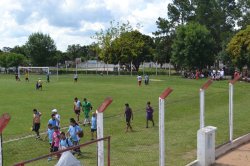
(73, 21)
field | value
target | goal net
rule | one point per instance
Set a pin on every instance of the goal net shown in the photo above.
(27, 71)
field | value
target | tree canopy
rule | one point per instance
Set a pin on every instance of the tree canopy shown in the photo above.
(193, 47)
(41, 49)
(239, 48)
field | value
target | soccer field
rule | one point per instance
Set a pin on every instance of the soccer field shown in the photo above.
(127, 149)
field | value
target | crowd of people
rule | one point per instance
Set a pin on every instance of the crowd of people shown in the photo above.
(59, 140)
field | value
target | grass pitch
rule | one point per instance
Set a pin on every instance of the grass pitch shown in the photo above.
(133, 148)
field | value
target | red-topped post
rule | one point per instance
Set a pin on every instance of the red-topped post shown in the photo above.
(4, 120)
(231, 90)
(162, 97)
(99, 113)
(202, 102)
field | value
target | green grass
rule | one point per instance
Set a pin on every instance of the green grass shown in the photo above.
(127, 149)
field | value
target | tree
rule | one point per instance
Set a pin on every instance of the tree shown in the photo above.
(12, 60)
(239, 48)
(19, 50)
(193, 47)
(106, 37)
(41, 49)
(244, 20)
(132, 47)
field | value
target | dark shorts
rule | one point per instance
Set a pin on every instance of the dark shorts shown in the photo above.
(128, 120)
(75, 79)
(36, 126)
(26, 79)
(55, 149)
(149, 117)
(93, 130)
(77, 112)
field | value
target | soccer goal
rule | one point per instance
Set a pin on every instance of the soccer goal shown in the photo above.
(34, 70)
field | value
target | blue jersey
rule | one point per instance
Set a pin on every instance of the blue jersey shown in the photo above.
(50, 134)
(93, 122)
(53, 122)
(65, 143)
(73, 132)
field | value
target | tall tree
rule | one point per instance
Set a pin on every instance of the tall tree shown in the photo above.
(8, 59)
(41, 49)
(244, 20)
(19, 50)
(193, 47)
(106, 37)
(239, 48)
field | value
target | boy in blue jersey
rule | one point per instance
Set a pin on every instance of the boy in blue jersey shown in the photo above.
(64, 142)
(93, 125)
(50, 132)
(53, 121)
(73, 132)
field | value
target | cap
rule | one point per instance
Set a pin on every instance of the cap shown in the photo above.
(54, 111)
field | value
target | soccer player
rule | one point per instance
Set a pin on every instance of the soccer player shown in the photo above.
(47, 77)
(74, 134)
(40, 84)
(128, 115)
(57, 117)
(77, 107)
(50, 132)
(53, 121)
(56, 140)
(75, 78)
(36, 122)
(149, 114)
(93, 125)
(139, 79)
(26, 76)
(64, 142)
(146, 81)
(86, 107)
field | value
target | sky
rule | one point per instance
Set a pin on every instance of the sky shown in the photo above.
(73, 21)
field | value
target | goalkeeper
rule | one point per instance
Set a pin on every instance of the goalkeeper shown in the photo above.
(86, 107)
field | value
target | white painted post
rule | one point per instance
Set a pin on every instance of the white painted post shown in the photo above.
(100, 135)
(76, 68)
(202, 108)
(162, 133)
(100, 144)
(162, 126)
(230, 112)
(202, 102)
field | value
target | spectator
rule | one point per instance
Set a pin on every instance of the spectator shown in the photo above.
(36, 122)
(128, 115)
(53, 121)
(57, 117)
(149, 114)
(93, 125)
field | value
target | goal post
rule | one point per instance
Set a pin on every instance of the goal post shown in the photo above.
(28, 68)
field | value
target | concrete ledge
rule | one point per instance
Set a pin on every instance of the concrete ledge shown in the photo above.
(225, 148)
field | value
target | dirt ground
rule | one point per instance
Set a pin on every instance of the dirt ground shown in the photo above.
(238, 157)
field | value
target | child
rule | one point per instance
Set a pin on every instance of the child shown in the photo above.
(128, 115)
(149, 114)
(64, 142)
(36, 122)
(56, 140)
(74, 134)
(93, 125)
(50, 132)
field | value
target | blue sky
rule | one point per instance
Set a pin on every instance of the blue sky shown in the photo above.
(73, 21)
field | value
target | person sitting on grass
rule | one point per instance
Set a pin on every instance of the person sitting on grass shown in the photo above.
(128, 115)
(149, 114)
(36, 122)
(93, 125)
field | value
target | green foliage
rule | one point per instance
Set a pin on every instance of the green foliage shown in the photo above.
(239, 48)
(12, 59)
(193, 47)
(132, 47)
(41, 49)
(244, 6)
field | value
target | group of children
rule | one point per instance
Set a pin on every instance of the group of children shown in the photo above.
(146, 79)
(59, 140)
